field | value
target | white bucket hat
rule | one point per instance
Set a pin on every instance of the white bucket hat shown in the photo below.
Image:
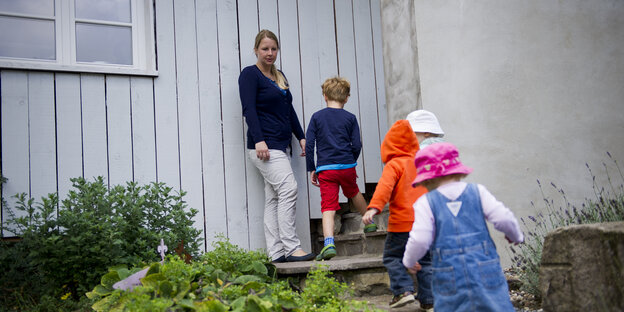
(424, 121)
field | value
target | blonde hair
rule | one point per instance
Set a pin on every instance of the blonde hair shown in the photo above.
(336, 89)
(280, 79)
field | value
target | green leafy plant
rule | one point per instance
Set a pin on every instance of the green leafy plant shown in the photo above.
(213, 282)
(324, 293)
(67, 247)
(606, 206)
(234, 260)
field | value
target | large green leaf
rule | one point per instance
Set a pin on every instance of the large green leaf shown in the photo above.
(104, 304)
(165, 289)
(183, 288)
(239, 304)
(98, 291)
(243, 279)
(109, 279)
(154, 268)
(187, 303)
(287, 303)
(255, 304)
(211, 306)
(255, 285)
(123, 273)
(259, 267)
(219, 274)
(153, 280)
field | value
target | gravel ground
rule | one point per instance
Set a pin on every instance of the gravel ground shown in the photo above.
(522, 301)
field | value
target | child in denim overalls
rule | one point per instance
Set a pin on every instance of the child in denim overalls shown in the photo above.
(450, 219)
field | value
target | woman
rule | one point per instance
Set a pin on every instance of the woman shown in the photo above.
(271, 121)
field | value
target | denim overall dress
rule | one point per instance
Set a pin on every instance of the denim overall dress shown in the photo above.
(467, 275)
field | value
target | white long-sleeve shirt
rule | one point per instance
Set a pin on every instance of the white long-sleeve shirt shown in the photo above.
(422, 234)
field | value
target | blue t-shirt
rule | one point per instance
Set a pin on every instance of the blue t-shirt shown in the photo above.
(268, 110)
(336, 134)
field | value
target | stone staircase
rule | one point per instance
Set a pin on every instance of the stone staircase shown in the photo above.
(359, 255)
(358, 261)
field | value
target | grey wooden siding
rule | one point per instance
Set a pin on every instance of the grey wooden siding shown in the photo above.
(185, 126)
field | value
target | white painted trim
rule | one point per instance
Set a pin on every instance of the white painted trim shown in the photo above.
(143, 44)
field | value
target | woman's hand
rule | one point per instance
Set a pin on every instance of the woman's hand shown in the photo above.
(314, 178)
(262, 151)
(302, 142)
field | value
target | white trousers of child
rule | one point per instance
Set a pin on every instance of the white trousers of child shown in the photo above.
(280, 191)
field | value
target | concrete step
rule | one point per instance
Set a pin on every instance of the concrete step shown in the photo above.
(352, 222)
(367, 274)
(354, 244)
(350, 239)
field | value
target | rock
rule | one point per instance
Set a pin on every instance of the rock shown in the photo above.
(582, 268)
(373, 283)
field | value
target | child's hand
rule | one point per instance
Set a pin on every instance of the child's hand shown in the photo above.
(367, 218)
(510, 241)
(314, 178)
(417, 267)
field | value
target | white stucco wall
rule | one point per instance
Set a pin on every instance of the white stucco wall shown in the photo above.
(527, 90)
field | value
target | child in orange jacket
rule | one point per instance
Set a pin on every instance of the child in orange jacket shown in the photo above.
(395, 187)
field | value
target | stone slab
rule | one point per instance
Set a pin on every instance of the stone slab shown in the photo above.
(334, 264)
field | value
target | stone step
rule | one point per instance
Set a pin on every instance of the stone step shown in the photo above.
(367, 274)
(350, 239)
(338, 263)
(366, 244)
(352, 222)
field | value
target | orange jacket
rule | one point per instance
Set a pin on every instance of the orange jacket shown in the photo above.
(395, 185)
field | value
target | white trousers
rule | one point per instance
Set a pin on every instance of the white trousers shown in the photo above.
(280, 191)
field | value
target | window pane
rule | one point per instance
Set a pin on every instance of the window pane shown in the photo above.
(103, 44)
(34, 7)
(110, 10)
(28, 38)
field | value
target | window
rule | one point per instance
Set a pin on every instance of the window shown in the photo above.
(105, 36)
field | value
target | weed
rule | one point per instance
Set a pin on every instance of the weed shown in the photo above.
(607, 205)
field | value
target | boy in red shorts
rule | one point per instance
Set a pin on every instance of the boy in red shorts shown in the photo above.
(336, 135)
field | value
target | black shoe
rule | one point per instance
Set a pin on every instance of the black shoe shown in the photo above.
(279, 260)
(307, 257)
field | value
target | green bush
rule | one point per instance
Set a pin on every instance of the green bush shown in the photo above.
(66, 248)
(606, 206)
(214, 283)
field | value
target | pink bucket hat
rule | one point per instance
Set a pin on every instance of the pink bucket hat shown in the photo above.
(438, 160)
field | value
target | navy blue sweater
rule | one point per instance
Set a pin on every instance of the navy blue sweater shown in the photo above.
(336, 134)
(268, 111)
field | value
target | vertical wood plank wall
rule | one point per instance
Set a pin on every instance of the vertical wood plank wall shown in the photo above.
(185, 127)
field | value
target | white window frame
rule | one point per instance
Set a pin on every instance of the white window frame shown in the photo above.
(143, 43)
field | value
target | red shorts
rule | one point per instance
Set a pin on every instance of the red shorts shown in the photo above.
(330, 181)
